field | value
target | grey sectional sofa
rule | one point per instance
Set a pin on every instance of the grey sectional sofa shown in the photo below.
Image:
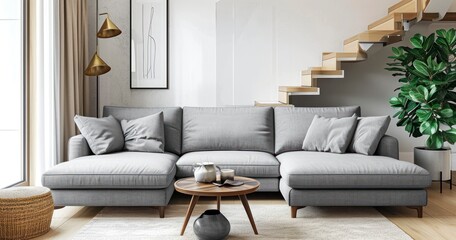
(259, 142)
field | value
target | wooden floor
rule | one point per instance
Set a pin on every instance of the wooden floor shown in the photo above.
(439, 221)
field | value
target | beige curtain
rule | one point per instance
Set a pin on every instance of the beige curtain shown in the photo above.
(74, 85)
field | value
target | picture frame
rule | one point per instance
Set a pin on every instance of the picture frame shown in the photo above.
(149, 44)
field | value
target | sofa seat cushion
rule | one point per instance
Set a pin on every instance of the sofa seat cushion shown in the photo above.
(317, 170)
(125, 170)
(244, 163)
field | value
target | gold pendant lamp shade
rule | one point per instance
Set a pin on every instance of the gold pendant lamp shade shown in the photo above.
(97, 66)
(108, 29)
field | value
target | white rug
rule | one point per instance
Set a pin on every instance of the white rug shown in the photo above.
(273, 222)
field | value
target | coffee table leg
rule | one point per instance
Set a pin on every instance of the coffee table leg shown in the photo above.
(189, 212)
(245, 202)
(218, 202)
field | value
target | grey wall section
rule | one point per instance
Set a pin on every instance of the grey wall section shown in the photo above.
(367, 84)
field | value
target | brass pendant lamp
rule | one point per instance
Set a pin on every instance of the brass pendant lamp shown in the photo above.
(108, 29)
(97, 66)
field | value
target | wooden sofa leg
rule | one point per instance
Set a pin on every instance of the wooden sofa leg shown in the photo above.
(419, 210)
(162, 212)
(294, 211)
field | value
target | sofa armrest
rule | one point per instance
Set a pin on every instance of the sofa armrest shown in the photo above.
(78, 147)
(388, 147)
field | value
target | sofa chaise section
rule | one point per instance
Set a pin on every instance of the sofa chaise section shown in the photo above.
(240, 138)
(331, 179)
(122, 178)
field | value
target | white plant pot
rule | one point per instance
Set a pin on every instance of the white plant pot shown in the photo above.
(435, 161)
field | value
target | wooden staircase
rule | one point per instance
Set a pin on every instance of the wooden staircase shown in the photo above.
(385, 31)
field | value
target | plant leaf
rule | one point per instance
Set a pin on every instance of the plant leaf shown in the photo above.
(417, 41)
(421, 67)
(423, 115)
(435, 141)
(396, 51)
(429, 42)
(446, 113)
(395, 102)
(450, 135)
(429, 127)
(423, 91)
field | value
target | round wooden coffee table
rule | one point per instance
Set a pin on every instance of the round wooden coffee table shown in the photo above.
(190, 187)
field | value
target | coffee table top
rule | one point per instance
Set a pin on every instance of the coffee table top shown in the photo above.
(191, 187)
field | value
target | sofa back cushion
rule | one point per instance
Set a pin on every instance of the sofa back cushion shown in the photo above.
(172, 119)
(292, 123)
(228, 128)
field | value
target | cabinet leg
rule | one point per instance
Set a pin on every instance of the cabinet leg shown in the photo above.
(441, 181)
(451, 180)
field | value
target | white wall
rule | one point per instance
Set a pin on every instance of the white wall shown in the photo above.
(258, 45)
(262, 44)
(191, 57)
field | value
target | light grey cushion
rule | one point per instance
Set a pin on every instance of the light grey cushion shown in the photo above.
(318, 170)
(145, 134)
(125, 170)
(244, 163)
(330, 134)
(292, 123)
(104, 135)
(228, 128)
(172, 119)
(368, 133)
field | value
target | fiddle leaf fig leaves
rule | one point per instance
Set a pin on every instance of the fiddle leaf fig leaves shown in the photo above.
(425, 100)
(421, 67)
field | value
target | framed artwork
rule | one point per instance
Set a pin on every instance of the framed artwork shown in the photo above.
(149, 44)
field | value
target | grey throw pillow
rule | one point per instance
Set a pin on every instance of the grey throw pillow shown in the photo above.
(145, 134)
(104, 135)
(329, 134)
(368, 134)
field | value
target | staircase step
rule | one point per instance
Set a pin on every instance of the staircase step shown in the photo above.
(323, 73)
(404, 6)
(392, 22)
(376, 36)
(345, 56)
(286, 91)
(332, 60)
(271, 104)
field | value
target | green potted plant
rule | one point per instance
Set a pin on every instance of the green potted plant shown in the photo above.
(425, 101)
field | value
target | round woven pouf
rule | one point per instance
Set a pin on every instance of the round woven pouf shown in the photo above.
(25, 212)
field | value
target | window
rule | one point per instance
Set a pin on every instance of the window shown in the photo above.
(12, 86)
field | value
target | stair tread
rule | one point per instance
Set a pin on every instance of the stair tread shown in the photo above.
(398, 17)
(399, 5)
(320, 71)
(358, 56)
(292, 89)
(374, 36)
